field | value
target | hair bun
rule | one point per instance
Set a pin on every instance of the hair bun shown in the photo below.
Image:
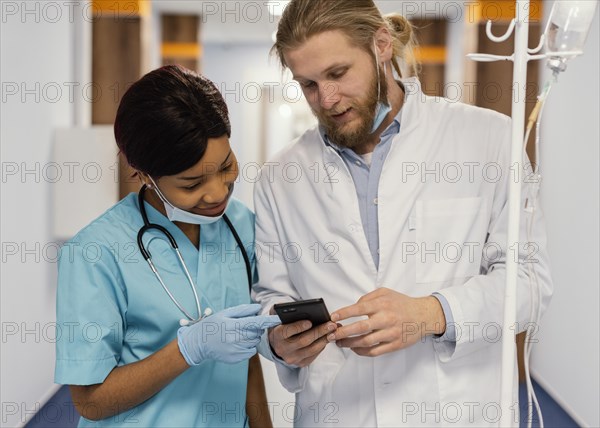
(401, 26)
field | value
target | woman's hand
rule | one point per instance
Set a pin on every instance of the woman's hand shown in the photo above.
(229, 336)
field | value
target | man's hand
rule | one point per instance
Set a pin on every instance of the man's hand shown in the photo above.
(395, 321)
(298, 343)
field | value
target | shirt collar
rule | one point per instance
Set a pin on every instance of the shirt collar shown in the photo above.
(392, 129)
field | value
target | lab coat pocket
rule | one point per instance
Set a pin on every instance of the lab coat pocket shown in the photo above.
(450, 236)
(323, 372)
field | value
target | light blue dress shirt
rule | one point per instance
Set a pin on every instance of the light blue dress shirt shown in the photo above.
(366, 180)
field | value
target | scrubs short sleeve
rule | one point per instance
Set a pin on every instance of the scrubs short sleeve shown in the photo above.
(90, 313)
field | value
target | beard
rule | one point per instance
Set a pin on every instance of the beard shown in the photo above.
(347, 136)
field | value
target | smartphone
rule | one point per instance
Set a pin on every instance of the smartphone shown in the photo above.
(313, 310)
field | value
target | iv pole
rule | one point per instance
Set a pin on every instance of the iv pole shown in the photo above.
(514, 211)
(520, 58)
(521, 26)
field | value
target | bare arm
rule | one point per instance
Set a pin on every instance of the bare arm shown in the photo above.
(129, 385)
(257, 408)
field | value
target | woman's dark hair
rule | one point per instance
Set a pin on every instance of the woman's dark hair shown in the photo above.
(165, 119)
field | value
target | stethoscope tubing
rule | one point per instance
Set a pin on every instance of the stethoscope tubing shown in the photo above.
(148, 257)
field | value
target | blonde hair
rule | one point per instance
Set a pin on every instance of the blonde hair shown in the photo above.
(359, 20)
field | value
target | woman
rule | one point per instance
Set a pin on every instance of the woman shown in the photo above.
(155, 339)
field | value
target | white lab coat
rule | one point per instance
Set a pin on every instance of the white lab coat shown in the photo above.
(442, 196)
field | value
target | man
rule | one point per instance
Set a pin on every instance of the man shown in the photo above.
(395, 213)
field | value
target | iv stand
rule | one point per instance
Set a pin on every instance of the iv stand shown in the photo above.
(521, 56)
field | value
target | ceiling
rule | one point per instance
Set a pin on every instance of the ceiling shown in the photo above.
(247, 21)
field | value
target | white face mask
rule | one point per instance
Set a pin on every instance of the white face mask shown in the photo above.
(177, 214)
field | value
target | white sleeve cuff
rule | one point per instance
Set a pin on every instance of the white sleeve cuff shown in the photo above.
(292, 378)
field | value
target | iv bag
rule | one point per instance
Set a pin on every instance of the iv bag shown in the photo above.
(568, 27)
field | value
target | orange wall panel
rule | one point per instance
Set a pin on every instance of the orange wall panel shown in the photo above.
(501, 10)
(121, 8)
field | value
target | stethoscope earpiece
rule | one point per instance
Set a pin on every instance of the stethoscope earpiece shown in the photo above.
(183, 322)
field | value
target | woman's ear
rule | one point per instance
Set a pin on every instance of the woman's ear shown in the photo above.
(145, 179)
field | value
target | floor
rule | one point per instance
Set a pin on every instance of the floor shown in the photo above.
(60, 413)
(554, 415)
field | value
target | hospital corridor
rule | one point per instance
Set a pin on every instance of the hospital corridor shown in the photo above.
(301, 213)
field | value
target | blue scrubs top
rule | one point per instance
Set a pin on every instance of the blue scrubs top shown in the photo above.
(112, 311)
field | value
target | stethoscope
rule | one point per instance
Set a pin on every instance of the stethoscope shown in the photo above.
(146, 254)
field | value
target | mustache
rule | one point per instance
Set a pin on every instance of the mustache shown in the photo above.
(337, 112)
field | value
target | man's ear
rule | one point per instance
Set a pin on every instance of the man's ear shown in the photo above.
(384, 44)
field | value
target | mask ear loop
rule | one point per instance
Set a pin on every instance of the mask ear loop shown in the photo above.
(159, 193)
(385, 73)
(377, 71)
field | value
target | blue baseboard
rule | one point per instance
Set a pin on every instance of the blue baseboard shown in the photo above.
(60, 413)
(554, 415)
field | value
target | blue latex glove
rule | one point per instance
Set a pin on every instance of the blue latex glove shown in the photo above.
(229, 336)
